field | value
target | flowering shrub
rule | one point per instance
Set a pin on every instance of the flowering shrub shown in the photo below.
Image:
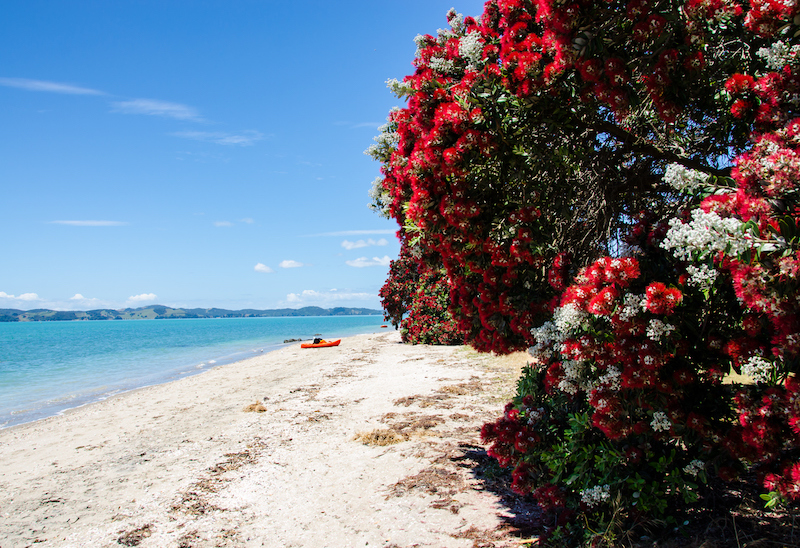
(397, 292)
(623, 412)
(532, 138)
(419, 292)
(428, 321)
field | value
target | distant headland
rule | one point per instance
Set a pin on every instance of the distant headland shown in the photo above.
(158, 312)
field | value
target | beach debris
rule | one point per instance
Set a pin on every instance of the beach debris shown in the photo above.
(380, 437)
(136, 536)
(433, 481)
(257, 407)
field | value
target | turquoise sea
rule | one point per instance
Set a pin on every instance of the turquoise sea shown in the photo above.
(47, 367)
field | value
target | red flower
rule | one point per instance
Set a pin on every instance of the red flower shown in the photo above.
(661, 299)
(739, 83)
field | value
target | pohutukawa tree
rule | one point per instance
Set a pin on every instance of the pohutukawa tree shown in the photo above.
(614, 185)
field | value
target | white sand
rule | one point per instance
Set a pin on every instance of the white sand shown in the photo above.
(183, 465)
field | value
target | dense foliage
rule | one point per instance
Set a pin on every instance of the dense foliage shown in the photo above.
(613, 184)
(416, 297)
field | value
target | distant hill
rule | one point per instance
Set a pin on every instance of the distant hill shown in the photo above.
(158, 312)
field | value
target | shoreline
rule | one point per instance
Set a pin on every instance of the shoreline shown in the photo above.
(182, 464)
(24, 410)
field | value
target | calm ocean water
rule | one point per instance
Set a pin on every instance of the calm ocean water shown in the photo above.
(47, 367)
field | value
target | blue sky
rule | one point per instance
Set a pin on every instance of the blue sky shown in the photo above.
(198, 153)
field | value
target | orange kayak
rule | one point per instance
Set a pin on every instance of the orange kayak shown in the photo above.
(322, 344)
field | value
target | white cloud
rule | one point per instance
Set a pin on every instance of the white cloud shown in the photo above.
(25, 297)
(363, 243)
(152, 107)
(243, 138)
(260, 267)
(223, 223)
(89, 223)
(362, 262)
(247, 220)
(77, 297)
(144, 297)
(312, 297)
(53, 87)
(290, 264)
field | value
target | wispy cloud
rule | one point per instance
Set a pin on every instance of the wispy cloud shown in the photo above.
(261, 267)
(363, 243)
(375, 125)
(362, 262)
(243, 138)
(89, 223)
(355, 232)
(290, 264)
(247, 220)
(52, 87)
(223, 223)
(143, 298)
(153, 107)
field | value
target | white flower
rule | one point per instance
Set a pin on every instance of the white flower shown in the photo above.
(705, 233)
(545, 335)
(594, 495)
(569, 318)
(632, 305)
(471, 49)
(657, 329)
(612, 377)
(568, 386)
(400, 89)
(779, 55)
(660, 422)
(684, 179)
(694, 467)
(442, 65)
(758, 368)
(702, 276)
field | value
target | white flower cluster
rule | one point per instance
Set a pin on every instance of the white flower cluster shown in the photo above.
(702, 276)
(694, 467)
(595, 495)
(441, 65)
(379, 198)
(660, 422)
(705, 233)
(419, 40)
(572, 376)
(545, 335)
(471, 49)
(632, 306)
(612, 377)
(549, 335)
(387, 140)
(779, 54)
(657, 329)
(684, 179)
(758, 368)
(455, 19)
(569, 318)
(567, 386)
(400, 89)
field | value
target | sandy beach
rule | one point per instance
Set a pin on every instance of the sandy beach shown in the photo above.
(372, 443)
